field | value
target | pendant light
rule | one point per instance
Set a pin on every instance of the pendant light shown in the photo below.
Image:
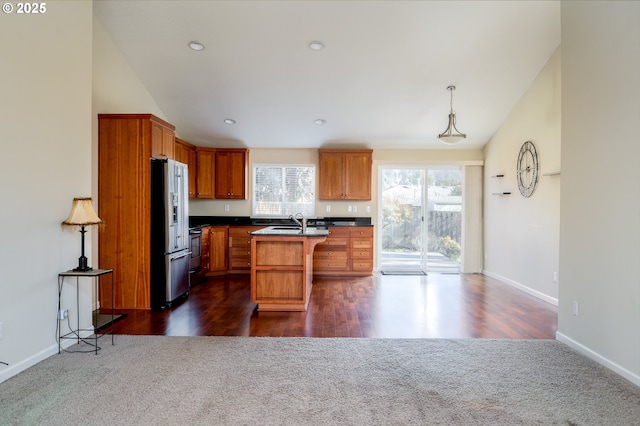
(451, 135)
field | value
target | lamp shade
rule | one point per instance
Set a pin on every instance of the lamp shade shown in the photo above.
(82, 213)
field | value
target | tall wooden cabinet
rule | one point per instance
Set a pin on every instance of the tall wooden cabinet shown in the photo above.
(126, 144)
(345, 174)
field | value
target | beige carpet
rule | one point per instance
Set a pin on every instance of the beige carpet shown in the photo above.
(153, 380)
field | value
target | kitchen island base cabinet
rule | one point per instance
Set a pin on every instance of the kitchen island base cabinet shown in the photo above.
(347, 252)
(282, 272)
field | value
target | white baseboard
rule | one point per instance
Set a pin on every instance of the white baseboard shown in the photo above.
(522, 287)
(632, 377)
(14, 369)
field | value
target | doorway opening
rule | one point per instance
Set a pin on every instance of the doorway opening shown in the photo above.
(420, 220)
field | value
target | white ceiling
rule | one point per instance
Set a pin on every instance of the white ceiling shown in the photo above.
(380, 82)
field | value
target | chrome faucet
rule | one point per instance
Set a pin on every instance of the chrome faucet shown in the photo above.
(297, 219)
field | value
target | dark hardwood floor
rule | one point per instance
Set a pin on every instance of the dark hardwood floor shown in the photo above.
(433, 306)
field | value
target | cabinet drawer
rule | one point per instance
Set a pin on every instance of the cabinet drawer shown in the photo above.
(239, 242)
(362, 265)
(330, 255)
(361, 243)
(337, 231)
(362, 254)
(333, 242)
(243, 231)
(240, 263)
(329, 264)
(240, 252)
(361, 231)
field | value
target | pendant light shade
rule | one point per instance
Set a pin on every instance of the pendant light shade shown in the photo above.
(451, 135)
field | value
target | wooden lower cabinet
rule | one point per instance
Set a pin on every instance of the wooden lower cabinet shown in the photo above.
(218, 236)
(331, 256)
(240, 248)
(348, 251)
(361, 249)
(214, 250)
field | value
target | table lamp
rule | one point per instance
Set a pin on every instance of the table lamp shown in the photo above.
(82, 214)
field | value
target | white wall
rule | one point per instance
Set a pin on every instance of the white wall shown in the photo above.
(45, 128)
(116, 89)
(521, 235)
(600, 202)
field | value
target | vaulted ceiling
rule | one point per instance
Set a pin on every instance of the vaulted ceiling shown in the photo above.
(380, 81)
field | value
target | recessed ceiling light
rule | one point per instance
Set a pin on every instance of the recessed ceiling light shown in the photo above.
(320, 121)
(229, 121)
(316, 45)
(195, 45)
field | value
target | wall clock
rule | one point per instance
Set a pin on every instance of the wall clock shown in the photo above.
(527, 169)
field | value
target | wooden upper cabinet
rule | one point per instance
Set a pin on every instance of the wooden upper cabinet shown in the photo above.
(205, 167)
(186, 153)
(163, 139)
(345, 174)
(231, 167)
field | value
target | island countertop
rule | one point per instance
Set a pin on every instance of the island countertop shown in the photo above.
(291, 231)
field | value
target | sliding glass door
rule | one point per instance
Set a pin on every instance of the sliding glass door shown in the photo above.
(420, 219)
(444, 219)
(401, 222)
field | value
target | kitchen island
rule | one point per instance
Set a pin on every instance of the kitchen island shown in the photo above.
(282, 267)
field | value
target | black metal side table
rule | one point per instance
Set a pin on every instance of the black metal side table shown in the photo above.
(75, 334)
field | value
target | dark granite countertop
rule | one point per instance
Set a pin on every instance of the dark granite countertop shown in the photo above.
(290, 231)
(199, 221)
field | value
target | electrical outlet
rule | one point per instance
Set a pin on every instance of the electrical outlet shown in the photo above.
(328, 209)
(555, 276)
(226, 207)
(349, 209)
(368, 209)
(63, 314)
(575, 308)
(355, 209)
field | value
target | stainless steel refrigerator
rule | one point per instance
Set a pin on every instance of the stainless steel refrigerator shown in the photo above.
(169, 251)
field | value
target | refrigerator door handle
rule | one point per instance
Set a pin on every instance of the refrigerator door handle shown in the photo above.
(180, 256)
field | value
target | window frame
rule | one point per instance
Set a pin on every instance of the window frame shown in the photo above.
(309, 212)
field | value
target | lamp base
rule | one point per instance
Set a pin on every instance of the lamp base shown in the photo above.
(82, 265)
